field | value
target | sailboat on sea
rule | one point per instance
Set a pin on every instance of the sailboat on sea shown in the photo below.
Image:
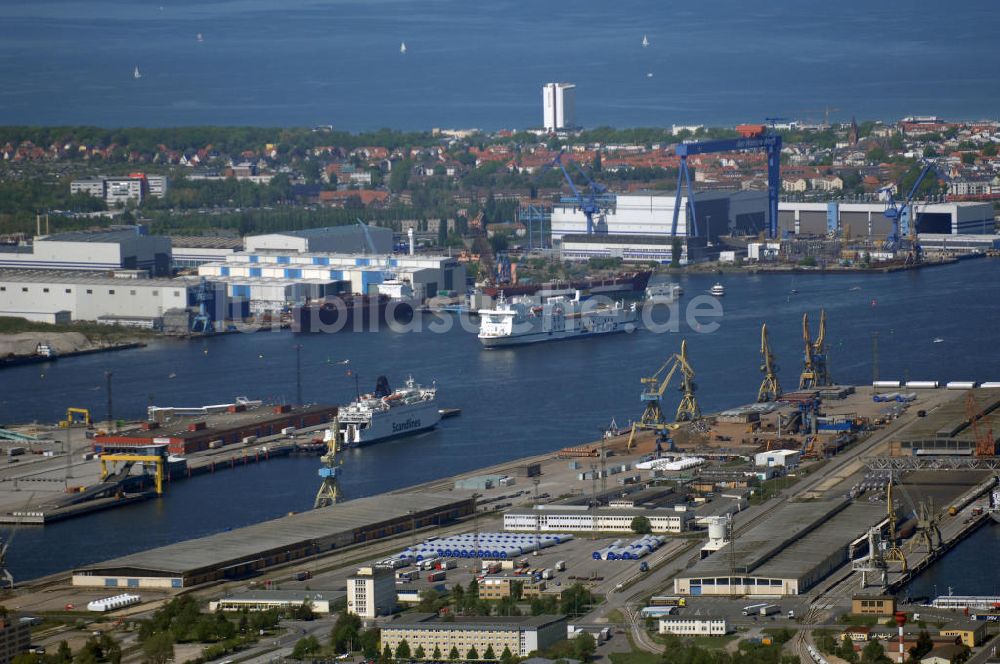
(135, 73)
(402, 47)
(645, 41)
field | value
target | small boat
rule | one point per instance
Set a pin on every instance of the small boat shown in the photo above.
(200, 38)
(135, 73)
(854, 288)
(649, 74)
(172, 375)
(402, 47)
(938, 340)
(645, 41)
(795, 291)
(718, 290)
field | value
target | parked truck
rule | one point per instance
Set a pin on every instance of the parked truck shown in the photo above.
(770, 609)
(560, 565)
(439, 575)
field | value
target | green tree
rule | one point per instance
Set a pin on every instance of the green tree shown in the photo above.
(489, 655)
(403, 650)
(506, 657)
(472, 655)
(399, 178)
(158, 648)
(846, 651)
(874, 653)
(923, 646)
(63, 654)
(990, 150)
(369, 640)
(575, 600)
(436, 655)
(584, 646)
(420, 653)
(641, 525)
(428, 601)
(453, 654)
(968, 158)
(675, 252)
(345, 631)
(305, 646)
(386, 653)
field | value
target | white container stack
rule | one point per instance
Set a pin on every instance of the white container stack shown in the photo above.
(113, 603)
(634, 550)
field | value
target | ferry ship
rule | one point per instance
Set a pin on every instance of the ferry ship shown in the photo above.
(526, 320)
(718, 290)
(387, 413)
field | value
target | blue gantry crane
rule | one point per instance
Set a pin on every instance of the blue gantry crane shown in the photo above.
(595, 201)
(901, 214)
(769, 142)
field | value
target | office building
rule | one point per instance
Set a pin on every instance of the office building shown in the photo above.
(15, 637)
(371, 592)
(702, 626)
(121, 190)
(558, 106)
(519, 634)
(264, 600)
(873, 605)
(575, 518)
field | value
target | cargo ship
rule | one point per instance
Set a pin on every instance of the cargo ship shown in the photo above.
(625, 282)
(387, 413)
(350, 312)
(527, 320)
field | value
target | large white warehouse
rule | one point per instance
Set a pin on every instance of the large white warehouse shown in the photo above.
(340, 239)
(118, 248)
(869, 220)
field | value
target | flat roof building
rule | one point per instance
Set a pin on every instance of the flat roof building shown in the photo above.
(575, 518)
(340, 239)
(184, 435)
(522, 635)
(91, 296)
(243, 552)
(859, 220)
(693, 626)
(371, 592)
(263, 600)
(118, 248)
(795, 547)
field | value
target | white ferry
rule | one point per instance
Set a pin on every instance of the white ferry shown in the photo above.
(718, 290)
(663, 292)
(389, 413)
(528, 320)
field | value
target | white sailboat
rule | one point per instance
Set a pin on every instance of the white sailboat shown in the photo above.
(200, 38)
(402, 47)
(645, 41)
(135, 73)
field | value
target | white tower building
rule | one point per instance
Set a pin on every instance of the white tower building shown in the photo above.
(558, 106)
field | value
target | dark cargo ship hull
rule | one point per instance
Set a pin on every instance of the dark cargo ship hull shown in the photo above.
(357, 313)
(622, 283)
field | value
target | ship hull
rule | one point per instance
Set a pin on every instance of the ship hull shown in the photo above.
(400, 421)
(544, 337)
(621, 284)
(357, 313)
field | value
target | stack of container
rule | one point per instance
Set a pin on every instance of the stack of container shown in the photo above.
(493, 546)
(634, 550)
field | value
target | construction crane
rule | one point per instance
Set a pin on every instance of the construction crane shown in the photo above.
(901, 214)
(770, 388)
(769, 142)
(76, 416)
(202, 321)
(893, 552)
(652, 395)
(985, 442)
(594, 202)
(6, 576)
(329, 488)
(815, 372)
(368, 237)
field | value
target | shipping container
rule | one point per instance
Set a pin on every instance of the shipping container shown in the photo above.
(16, 451)
(769, 609)
(287, 431)
(249, 439)
(561, 565)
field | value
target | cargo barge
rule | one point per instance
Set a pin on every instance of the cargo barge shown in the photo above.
(350, 312)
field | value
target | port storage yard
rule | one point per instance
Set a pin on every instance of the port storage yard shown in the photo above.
(795, 548)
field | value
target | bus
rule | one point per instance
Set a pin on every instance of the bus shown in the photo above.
(667, 600)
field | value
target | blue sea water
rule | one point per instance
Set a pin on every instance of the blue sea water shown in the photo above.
(515, 402)
(482, 64)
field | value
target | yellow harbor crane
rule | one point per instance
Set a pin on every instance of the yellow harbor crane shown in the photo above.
(815, 372)
(329, 488)
(770, 388)
(652, 395)
(893, 552)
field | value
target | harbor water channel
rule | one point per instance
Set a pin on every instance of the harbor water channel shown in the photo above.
(515, 402)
